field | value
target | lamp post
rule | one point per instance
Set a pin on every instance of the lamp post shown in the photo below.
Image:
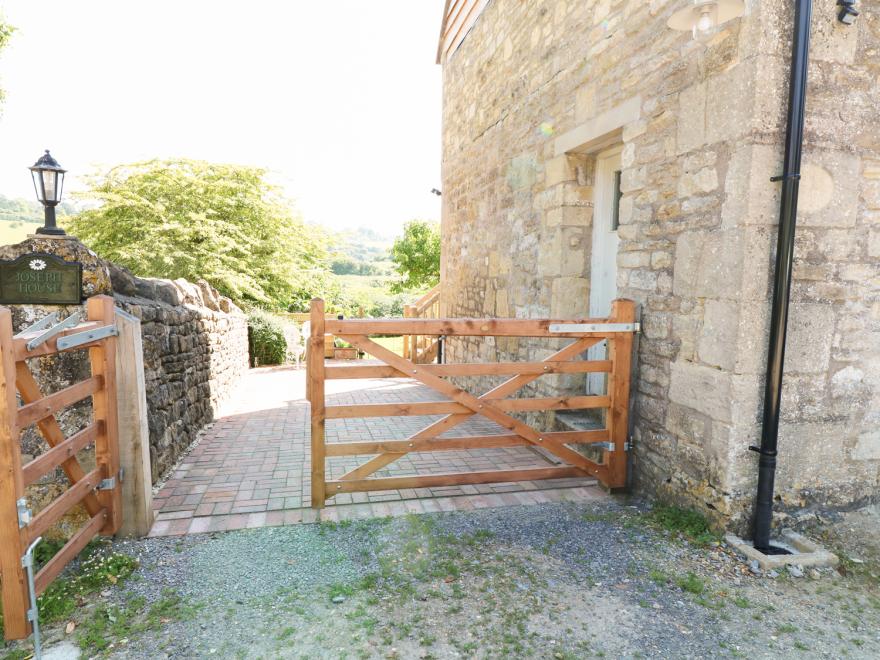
(48, 178)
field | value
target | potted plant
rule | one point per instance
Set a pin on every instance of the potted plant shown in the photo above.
(342, 350)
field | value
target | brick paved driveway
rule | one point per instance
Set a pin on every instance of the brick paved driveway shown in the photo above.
(252, 466)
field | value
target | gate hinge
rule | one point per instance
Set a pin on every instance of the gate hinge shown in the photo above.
(577, 328)
(24, 513)
(609, 446)
(87, 337)
(110, 483)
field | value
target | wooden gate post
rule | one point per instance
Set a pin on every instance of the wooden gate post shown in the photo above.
(407, 339)
(103, 359)
(15, 593)
(620, 354)
(134, 432)
(315, 379)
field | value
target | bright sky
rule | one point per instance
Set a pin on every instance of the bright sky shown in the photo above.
(340, 98)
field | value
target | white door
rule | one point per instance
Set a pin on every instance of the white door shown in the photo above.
(603, 266)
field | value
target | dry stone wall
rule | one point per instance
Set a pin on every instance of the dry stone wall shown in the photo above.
(701, 126)
(194, 340)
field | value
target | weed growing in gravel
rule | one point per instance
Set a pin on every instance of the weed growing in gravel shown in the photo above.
(786, 628)
(683, 522)
(742, 601)
(691, 583)
(658, 577)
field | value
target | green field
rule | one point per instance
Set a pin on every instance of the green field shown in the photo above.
(16, 232)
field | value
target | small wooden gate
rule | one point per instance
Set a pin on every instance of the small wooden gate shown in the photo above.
(98, 489)
(495, 405)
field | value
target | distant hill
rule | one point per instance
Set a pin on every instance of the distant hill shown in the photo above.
(361, 251)
(20, 217)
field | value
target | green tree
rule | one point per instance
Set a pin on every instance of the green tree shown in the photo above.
(193, 219)
(6, 31)
(416, 256)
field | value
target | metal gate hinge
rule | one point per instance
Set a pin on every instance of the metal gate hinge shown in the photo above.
(110, 483)
(609, 446)
(24, 513)
(80, 338)
(595, 327)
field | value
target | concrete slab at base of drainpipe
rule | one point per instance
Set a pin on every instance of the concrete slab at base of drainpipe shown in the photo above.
(134, 433)
(804, 552)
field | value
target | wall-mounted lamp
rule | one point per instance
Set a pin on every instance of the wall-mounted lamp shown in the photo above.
(848, 12)
(434, 191)
(704, 17)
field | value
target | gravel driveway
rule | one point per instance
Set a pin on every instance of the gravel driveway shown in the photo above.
(569, 580)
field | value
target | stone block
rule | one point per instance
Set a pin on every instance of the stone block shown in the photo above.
(688, 252)
(810, 336)
(570, 298)
(830, 184)
(522, 172)
(585, 103)
(729, 98)
(719, 272)
(718, 337)
(867, 447)
(701, 388)
(692, 117)
(559, 170)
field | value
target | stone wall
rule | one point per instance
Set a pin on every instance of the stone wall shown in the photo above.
(195, 349)
(529, 96)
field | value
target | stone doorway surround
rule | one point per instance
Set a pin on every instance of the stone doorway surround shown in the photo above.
(251, 467)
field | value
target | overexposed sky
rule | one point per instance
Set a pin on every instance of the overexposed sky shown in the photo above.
(340, 98)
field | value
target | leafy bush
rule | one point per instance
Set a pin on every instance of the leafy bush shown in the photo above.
(266, 338)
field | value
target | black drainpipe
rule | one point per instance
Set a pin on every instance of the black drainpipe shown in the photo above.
(790, 179)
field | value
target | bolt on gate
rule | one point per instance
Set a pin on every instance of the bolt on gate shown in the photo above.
(495, 405)
(96, 489)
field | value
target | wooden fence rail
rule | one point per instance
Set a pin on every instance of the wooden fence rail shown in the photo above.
(97, 490)
(460, 405)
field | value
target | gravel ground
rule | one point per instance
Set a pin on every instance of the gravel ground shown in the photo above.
(548, 581)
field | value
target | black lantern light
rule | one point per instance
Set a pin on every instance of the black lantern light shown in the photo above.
(48, 182)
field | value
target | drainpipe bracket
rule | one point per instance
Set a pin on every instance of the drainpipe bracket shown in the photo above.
(783, 177)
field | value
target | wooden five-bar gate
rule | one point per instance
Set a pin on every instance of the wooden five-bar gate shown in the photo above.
(460, 406)
(96, 489)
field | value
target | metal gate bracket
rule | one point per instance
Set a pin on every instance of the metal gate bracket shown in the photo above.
(44, 322)
(110, 483)
(24, 512)
(609, 446)
(80, 338)
(595, 327)
(69, 322)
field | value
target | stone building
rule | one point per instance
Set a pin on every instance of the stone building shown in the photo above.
(590, 152)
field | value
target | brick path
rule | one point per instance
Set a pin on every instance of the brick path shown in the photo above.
(252, 467)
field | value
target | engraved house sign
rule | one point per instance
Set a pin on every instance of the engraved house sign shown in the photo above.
(40, 279)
